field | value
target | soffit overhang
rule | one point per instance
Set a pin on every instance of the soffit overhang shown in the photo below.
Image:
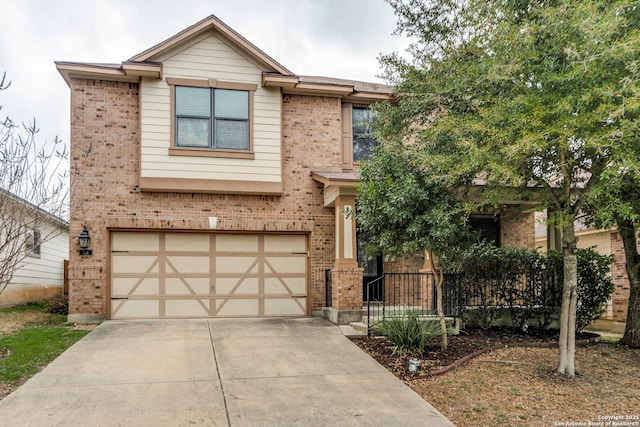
(348, 90)
(336, 184)
(125, 72)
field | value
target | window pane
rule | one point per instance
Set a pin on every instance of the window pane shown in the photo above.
(193, 101)
(486, 227)
(363, 140)
(232, 104)
(33, 242)
(192, 132)
(232, 134)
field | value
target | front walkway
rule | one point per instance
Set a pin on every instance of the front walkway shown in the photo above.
(240, 372)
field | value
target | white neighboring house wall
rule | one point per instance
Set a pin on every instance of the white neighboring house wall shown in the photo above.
(40, 276)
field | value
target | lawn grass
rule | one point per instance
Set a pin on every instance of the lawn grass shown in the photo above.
(26, 351)
(30, 306)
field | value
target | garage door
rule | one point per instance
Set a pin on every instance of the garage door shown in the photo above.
(174, 275)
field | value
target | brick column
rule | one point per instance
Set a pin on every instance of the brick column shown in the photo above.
(346, 276)
(347, 288)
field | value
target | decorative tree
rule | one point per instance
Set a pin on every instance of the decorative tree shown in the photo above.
(522, 95)
(617, 202)
(404, 210)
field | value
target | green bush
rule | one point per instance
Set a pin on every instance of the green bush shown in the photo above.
(594, 286)
(528, 284)
(59, 305)
(409, 333)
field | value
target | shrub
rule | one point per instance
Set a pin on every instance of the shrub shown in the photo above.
(58, 305)
(594, 286)
(528, 284)
(409, 333)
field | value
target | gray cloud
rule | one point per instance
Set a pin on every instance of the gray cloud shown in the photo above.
(336, 38)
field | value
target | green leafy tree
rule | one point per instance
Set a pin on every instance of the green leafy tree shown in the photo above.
(535, 98)
(621, 197)
(404, 210)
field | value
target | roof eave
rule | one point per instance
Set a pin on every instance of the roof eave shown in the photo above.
(211, 22)
(347, 91)
(143, 69)
(126, 72)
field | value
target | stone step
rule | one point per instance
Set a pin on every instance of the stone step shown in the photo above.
(360, 327)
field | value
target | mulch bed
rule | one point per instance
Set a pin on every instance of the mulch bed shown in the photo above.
(463, 347)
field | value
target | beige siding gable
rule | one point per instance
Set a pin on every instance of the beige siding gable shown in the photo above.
(209, 56)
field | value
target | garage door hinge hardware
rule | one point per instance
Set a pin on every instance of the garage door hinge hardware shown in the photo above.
(119, 298)
(119, 252)
(299, 253)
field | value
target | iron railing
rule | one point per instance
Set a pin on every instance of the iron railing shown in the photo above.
(396, 294)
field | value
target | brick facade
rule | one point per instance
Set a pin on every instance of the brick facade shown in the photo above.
(105, 165)
(105, 151)
(517, 229)
(620, 297)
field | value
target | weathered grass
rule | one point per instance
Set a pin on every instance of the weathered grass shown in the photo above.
(26, 351)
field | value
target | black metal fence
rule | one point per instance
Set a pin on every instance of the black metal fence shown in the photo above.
(395, 294)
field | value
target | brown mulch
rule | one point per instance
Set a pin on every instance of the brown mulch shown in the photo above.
(516, 384)
(466, 345)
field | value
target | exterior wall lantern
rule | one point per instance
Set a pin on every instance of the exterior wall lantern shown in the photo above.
(84, 239)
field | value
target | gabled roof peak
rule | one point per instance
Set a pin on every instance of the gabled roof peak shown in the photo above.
(207, 24)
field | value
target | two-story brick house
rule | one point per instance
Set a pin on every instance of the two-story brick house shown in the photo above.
(214, 183)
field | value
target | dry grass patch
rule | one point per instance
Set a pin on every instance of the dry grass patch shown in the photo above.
(519, 387)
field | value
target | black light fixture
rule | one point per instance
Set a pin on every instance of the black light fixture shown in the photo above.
(84, 239)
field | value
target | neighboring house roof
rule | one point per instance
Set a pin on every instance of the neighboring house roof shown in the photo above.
(49, 216)
(145, 64)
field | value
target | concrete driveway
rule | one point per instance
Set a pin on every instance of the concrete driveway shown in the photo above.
(240, 372)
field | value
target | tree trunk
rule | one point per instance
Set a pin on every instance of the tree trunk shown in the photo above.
(567, 341)
(438, 278)
(631, 335)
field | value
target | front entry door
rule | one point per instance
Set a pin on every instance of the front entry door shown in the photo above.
(373, 269)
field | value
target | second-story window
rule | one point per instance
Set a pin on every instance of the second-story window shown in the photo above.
(363, 140)
(212, 118)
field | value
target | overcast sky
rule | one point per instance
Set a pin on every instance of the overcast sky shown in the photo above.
(333, 38)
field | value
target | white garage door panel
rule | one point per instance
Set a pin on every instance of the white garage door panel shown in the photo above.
(287, 264)
(136, 308)
(233, 285)
(187, 286)
(187, 308)
(236, 265)
(187, 242)
(155, 275)
(237, 242)
(134, 264)
(135, 286)
(188, 264)
(287, 285)
(237, 307)
(135, 242)
(292, 307)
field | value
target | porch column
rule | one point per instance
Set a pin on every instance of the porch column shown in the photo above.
(426, 282)
(346, 276)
